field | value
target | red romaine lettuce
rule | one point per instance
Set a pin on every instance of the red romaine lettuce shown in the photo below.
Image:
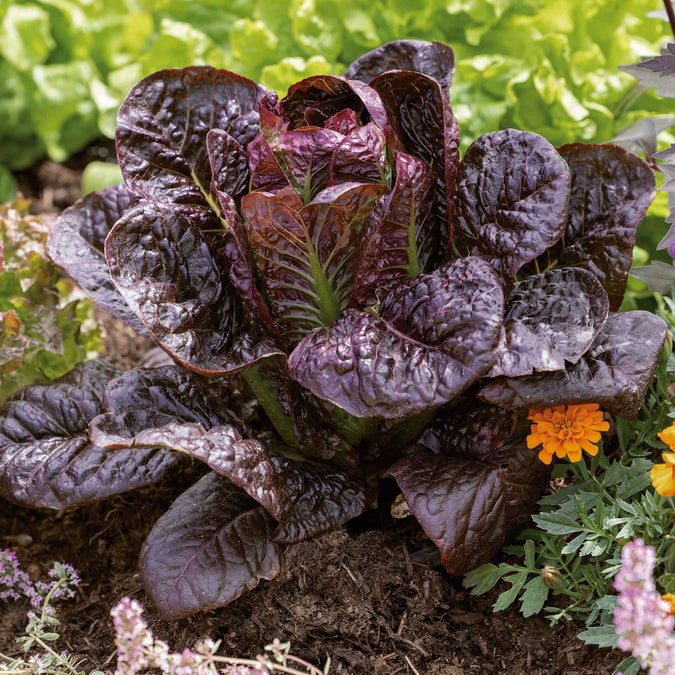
(392, 309)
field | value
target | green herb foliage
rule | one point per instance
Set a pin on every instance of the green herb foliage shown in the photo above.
(42, 335)
(580, 528)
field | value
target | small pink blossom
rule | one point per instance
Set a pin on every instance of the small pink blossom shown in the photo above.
(643, 620)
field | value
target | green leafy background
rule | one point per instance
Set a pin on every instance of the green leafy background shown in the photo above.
(542, 65)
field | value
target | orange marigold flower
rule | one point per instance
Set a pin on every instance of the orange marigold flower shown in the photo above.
(668, 436)
(566, 430)
(663, 475)
(670, 599)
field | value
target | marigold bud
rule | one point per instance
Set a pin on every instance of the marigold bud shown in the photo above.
(551, 577)
(667, 349)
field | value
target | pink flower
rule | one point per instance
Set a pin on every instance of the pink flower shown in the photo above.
(643, 620)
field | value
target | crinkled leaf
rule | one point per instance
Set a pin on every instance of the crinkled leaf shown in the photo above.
(266, 172)
(46, 458)
(229, 168)
(360, 157)
(271, 116)
(303, 499)
(400, 235)
(430, 58)
(471, 430)
(304, 156)
(213, 543)
(171, 408)
(512, 194)
(163, 124)
(149, 398)
(615, 372)
(550, 318)
(321, 500)
(76, 244)
(316, 99)
(167, 272)
(468, 508)
(424, 124)
(611, 192)
(246, 462)
(233, 246)
(305, 256)
(435, 335)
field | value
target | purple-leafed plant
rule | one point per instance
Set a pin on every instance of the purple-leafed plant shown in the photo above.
(390, 307)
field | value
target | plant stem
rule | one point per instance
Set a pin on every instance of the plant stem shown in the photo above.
(264, 391)
(268, 664)
(671, 14)
(58, 657)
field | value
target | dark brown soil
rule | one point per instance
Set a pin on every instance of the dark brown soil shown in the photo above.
(373, 601)
(361, 599)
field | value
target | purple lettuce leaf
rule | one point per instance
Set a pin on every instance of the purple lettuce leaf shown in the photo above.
(76, 244)
(360, 157)
(169, 275)
(246, 462)
(615, 372)
(400, 236)
(162, 129)
(434, 336)
(46, 457)
(305, 155)
(512, 198)
(305, 255)
(149, 398)
(212, 545)
(235, 250)
(321, 499)
(266, 172)
(314, 100)
(550, 318)
(610, 194)
(229, 167)
(468, 507)
(426, 128)
(271, 116)
(303, 499)
(470, 429)
(171, 408)
(344, 122)
(429, 58)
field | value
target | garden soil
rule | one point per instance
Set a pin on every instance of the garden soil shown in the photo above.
(373, 598)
